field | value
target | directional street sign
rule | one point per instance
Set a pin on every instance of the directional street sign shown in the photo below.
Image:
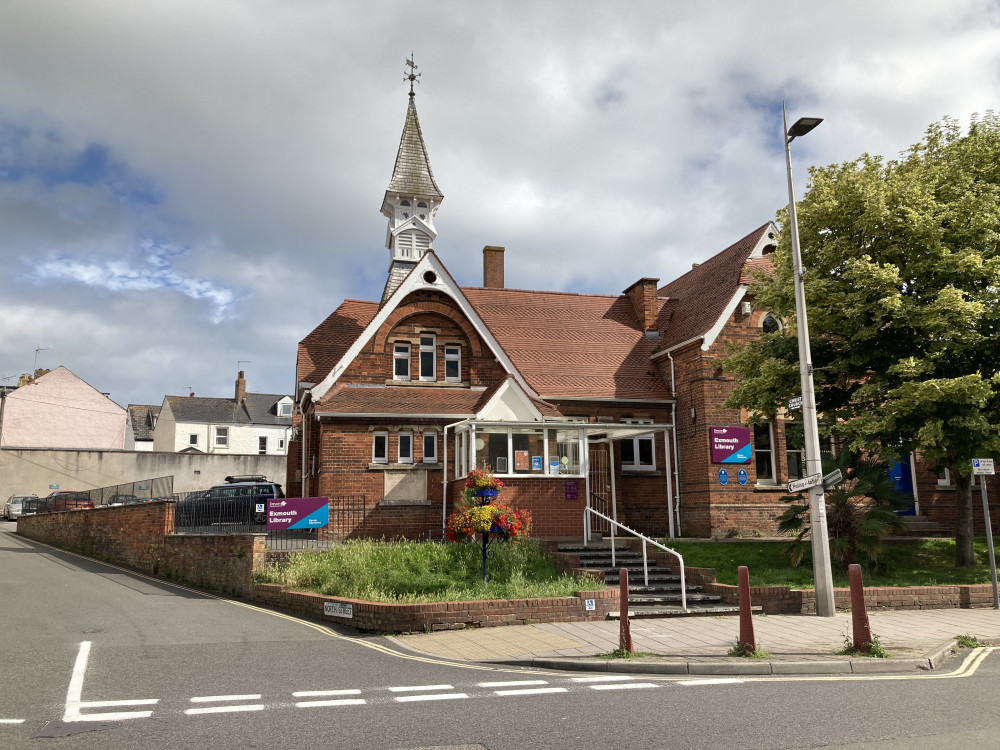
(982, 466)
(833, 477)
(805, 483)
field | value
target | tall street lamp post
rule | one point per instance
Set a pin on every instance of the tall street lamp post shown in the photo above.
(822, 572)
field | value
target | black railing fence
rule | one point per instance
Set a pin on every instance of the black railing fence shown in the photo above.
(143, 490)
(246, 513)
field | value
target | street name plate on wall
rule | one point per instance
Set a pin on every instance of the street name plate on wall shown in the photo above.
(730, 445)
(338, 609)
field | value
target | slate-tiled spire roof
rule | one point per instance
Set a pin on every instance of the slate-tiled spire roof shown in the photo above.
(412, 173)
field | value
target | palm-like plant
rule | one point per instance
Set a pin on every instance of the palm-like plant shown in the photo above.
(860, 512)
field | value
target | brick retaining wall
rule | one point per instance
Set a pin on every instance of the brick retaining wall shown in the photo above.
(401, 618)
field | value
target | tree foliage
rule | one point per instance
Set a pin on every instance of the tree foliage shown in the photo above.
(860, 512)
(902, 281)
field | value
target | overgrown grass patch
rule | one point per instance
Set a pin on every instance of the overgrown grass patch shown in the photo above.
(923, 562)
(412, 572)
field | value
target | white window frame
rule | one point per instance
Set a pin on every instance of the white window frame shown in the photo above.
(193, 438)
(635, 465)
(221, 437)
(400, 439)
(262, 445)
(285, 410)
(431, 457)
(281, 444)
(399, 356)
(384, 458)
(773, 479)
(424, 349)
(453, 354)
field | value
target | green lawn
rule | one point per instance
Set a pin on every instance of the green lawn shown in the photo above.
(410, 572)
(905, 563)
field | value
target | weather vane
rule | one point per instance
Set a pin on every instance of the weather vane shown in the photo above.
(411, 76)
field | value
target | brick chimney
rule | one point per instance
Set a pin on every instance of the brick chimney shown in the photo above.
(643, 296)
(241, 388)
(493, 267)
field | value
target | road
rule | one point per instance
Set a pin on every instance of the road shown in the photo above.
(103, 658)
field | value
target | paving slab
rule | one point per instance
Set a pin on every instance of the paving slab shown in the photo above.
(799, 644)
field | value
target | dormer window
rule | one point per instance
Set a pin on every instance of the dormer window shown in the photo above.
(401, 362)
(453, 364)
(285, 410)
(427, 358)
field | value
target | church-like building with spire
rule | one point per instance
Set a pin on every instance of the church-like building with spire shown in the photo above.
(610, 402)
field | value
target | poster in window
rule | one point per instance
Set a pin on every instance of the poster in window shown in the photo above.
(572, 490)
(521, 461)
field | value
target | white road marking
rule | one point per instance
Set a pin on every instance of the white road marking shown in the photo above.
(414, 688)
(532, 691)
(323, 693)
(719, 681)
(224, 709)
(514, 683)
(337, 702)
(434, 697)
(624, 686)
(11, 721)
(608, 678)
(74, 696)
(220, 698)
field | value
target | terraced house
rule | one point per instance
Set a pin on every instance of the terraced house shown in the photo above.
(620, 410)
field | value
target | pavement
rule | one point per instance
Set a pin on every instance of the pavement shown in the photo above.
(796, 644)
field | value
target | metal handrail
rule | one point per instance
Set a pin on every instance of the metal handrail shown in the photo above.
(645, 561)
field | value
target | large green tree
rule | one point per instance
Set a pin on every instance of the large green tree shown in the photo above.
(902, 279)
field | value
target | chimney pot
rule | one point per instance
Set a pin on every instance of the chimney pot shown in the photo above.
(493, 267)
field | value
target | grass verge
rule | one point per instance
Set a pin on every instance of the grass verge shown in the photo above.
(924, 562)
(414, 572)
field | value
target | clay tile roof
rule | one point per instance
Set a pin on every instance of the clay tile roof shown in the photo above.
(320, 351)
(572, 345)
(347, 399)
(412, 173)
(696, 300)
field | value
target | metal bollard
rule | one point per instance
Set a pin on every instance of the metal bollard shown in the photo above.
(624, 631)
(746, 616)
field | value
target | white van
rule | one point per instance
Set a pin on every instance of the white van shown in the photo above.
(15, 506)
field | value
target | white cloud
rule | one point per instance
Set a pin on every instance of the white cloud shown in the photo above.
(599, 142)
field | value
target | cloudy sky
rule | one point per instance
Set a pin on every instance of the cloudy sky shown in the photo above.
(185, 184)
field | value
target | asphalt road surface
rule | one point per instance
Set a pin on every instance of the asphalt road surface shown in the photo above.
(92, 656)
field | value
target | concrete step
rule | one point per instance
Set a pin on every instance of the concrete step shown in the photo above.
(696, 610)
(655, 576)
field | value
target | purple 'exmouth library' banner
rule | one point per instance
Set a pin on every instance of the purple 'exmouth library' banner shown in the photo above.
(298, 513)
(730, 445)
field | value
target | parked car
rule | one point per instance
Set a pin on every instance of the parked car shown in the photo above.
(240, 501)
(65, 500)
(125, 500)
(14, 507)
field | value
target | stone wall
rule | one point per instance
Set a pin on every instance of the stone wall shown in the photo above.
(140, 537)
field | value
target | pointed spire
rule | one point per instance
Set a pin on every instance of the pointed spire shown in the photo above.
(412, 198)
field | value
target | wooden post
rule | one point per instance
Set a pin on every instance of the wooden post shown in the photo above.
(624, 631)
(746, 615)
(859, 613)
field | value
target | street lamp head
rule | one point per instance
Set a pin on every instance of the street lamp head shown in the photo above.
(803, 125)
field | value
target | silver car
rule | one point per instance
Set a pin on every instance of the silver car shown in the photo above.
(15, 506)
